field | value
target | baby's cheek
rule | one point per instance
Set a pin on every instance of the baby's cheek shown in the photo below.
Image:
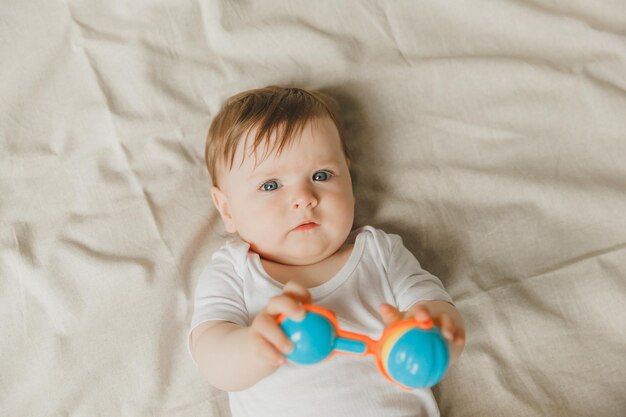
(268, 221)
(343, 212)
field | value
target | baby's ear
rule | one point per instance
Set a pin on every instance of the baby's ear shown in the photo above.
(222, 205)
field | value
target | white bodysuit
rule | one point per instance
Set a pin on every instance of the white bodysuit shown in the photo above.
(234, 287)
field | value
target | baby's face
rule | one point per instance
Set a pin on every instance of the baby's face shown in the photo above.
(294, 208)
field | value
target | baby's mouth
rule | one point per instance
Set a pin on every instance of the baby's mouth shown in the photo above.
(306, 226)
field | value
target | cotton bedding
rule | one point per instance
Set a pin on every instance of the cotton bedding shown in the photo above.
(490, 135)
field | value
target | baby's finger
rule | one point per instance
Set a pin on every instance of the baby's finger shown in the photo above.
(285, 304)
(297, 291)
(459, 337)
(420, 313)
(447, 327)
(266, 326)
(389, 313)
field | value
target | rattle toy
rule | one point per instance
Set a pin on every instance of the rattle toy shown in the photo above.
(411, 354)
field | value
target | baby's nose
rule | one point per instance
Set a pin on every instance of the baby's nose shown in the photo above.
(304, 198)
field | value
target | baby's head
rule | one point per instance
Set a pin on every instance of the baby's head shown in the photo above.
(280, 173)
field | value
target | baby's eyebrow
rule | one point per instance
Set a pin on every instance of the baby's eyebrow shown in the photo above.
(266, 173)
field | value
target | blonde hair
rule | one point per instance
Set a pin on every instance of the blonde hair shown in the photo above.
(273, 109)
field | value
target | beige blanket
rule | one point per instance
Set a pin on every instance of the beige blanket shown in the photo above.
(491, 135)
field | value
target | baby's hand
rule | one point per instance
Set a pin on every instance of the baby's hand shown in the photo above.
(449, 330)
(270, 338)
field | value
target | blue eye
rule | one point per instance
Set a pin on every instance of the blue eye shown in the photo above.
(269, 186)
(321, 176)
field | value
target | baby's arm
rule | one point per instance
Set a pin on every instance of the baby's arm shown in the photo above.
(233, 358)
(443, 314)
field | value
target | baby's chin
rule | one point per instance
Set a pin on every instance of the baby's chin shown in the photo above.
(300, 252)
(297, 257)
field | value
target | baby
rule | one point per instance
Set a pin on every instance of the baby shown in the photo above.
(282, 185)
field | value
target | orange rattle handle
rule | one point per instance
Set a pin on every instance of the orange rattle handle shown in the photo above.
(370, 345)
(348, 343)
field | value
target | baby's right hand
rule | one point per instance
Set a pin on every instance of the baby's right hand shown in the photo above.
(269, 338)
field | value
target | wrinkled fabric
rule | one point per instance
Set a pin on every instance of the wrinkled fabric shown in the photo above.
(489, 135)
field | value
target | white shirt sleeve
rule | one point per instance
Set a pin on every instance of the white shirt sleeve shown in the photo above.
(409, 282)
(219, 292)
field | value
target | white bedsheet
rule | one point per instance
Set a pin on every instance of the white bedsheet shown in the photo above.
(491, 135)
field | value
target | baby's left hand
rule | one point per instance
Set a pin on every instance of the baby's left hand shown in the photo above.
(450, 331)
